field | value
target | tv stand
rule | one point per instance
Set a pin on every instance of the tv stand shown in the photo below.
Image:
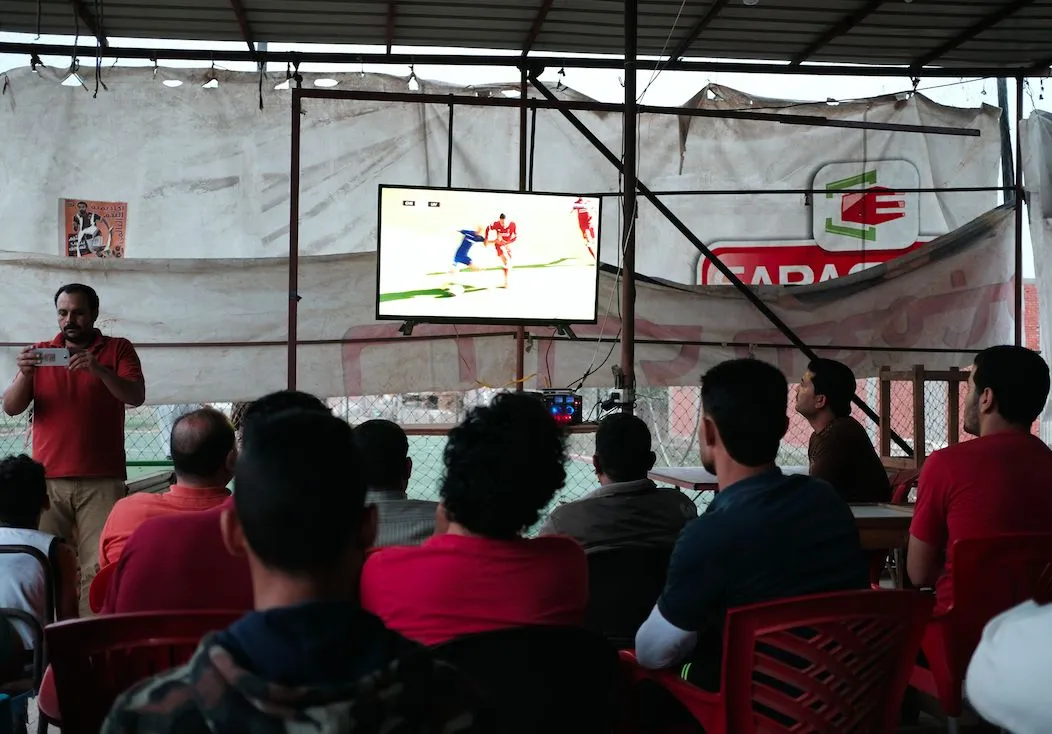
(406, 328)
(565, 330)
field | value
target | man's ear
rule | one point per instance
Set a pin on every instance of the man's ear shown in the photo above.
(231, 459)
(441, 519)
(651, 461)
(408, 468)
(785, 428)
(233, 535)
(820, 401)
(708, 431)
(596, 465)
(367, 528)
(987, 402)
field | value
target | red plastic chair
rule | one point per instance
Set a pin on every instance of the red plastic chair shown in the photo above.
(100, 586)
(852, 670)
(990, 575)
(95, 660)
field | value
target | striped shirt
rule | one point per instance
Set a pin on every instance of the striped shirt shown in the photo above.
(402, 521)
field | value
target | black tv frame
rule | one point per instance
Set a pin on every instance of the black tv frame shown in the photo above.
(409, 321)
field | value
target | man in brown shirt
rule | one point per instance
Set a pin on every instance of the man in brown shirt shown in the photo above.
(840, 451)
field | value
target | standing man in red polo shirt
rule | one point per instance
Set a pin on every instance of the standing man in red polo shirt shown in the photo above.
(78, 422)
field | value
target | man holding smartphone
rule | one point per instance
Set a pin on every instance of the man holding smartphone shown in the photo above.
(78, 421)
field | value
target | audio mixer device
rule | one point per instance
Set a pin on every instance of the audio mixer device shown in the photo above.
(565, 406)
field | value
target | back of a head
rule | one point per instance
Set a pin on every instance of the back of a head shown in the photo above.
(504, 463)
(747, 400)
(836, 382)
(622, 447)
(384, 448)
(23, 492)
(278, 402)
(201, 443)
(300, 494)
(1018, 378)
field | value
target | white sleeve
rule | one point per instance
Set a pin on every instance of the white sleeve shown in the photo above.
(661, 644)
(1010, 675)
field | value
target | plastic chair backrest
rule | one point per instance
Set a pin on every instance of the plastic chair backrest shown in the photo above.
(50, 590)
(831, 663)
(36, 631)
(623, 585)
(543, 679)
(990, 576)
(95, 660)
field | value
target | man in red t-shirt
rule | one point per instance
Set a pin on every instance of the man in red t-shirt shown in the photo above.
(180, 561)
(586, 223)
(504, 233)
(999, 483)
(504, 464)
(78, 422)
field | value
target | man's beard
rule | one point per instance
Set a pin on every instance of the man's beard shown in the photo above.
(75, 336)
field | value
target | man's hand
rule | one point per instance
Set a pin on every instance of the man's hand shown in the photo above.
(85, 361)
(26, 361)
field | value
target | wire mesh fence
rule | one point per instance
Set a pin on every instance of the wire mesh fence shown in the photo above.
(673, 414)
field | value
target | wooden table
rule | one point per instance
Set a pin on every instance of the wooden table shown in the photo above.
(883, 526)
(697, 479)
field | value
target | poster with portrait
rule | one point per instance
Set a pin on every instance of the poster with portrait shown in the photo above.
(92, 228)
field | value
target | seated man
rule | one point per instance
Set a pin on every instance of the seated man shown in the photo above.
(203, 452)
(765, 536)
(308, 657)
(1009, 678)
(504, 463)
(166, 560)
(998, 483)
(384, 448)
(840, 451)
(628, 510)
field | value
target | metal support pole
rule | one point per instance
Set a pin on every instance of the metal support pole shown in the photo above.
(1019, 199)
(449, 147)
(520, 332)
(734, 280)
(629, 170)
(533, 146)
(294, 232)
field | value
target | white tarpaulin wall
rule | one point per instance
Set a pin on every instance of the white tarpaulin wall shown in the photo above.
(205, 175)
(1036, 135)
(952, 294)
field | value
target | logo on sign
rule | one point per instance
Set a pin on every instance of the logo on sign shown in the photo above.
(867, 206)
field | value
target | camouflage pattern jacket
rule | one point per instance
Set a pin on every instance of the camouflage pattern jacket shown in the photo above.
(415, 693)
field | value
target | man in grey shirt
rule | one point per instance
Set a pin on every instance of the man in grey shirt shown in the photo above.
(628, 509)
(385, 451)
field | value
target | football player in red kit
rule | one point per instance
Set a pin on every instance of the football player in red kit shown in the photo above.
(586, 224)
(504, 235)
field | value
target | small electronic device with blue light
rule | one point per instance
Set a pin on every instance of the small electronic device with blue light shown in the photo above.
(566, 406)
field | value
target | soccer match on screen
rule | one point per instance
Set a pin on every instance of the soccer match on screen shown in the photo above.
(450, 254)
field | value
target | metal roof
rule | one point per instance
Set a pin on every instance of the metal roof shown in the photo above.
(958, 34)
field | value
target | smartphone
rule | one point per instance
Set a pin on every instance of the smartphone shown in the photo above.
(51, 357)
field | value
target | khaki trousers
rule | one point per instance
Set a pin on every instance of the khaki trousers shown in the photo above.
(84, 505)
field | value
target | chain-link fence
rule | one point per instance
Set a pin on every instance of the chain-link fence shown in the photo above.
(672, 414)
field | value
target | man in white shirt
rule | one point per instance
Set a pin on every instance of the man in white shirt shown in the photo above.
(1010, 675)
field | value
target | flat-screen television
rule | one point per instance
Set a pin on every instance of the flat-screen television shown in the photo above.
(458, 255)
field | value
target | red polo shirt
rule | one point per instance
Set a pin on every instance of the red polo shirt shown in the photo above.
(179, 561)
(78, 426)
(132, 511)
(455, 585)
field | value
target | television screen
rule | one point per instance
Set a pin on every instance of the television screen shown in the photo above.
(487, 256)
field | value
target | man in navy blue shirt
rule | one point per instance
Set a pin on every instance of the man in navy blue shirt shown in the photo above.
(765, 536)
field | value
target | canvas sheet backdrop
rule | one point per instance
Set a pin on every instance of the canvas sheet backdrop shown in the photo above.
(205, 174)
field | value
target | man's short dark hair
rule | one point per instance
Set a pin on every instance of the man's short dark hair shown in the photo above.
(23, 491)
(747, 400)
(201, 441)
(82, 203)
(836, 382)
(277, 402)
(300, 491)
(504, 463)
(1018, 378)
(384, 448)
(75, 289)
(622, 447)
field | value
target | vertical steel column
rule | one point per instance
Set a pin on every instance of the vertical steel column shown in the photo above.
(294, 232)
(520, 332)
(628, 267)
(1019, 197)
(449, 148)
